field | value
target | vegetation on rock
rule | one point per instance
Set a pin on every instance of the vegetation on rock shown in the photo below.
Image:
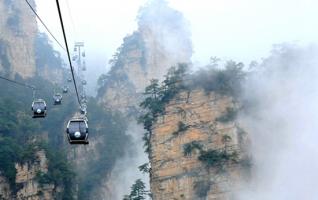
(157, 96)
(202, 188)
(182, 127)
(4, 60)
(191, 146)
(222, 81)
(133, 42)
(229, 116)
(217, 158)
(45, 55)
(138, 191)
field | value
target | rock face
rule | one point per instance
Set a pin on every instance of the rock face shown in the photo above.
(21, 45)
(175, 175)
(161, 41)
(18, 31)
(5, 192)
(26, 180)
(26, 176)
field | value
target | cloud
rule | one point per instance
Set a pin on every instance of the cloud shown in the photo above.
(282, 118)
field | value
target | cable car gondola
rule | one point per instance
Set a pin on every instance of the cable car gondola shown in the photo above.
(84, 66)
(83, 101)
(84, 82)
(39, 108)
(69, 80)
(83, 96)
(77, 131)
(83, 109)
(65, 89)
(57, 99)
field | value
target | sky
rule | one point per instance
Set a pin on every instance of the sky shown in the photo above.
(243, 30)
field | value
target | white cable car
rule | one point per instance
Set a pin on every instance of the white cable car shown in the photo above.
(83, 109)
(77, 131)
(39, 108)
(83, 100)
(84, 66)
(57, 99)
(83, 96)
(65, 89)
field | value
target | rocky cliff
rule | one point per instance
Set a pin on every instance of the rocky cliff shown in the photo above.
(161, 41)
(5, 192)
(198, 150)
(18, 31)
(27, 181)
(23, 50)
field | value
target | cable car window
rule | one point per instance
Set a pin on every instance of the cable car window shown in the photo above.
(82, 127)
(39, 105)
(75, 126)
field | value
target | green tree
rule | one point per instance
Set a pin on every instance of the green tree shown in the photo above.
(157, 96)
(174, 82)
(145, 168)
(152, 100)
(138, 191)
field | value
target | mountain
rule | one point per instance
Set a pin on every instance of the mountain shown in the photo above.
(161, 41)
(18, 32)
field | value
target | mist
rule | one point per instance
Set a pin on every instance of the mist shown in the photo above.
(281, 115)
(242, 30)
(126, 172)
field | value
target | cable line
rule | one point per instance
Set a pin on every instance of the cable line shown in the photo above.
(67, 50)
(19, 83)
(48, 30)
(71, 18)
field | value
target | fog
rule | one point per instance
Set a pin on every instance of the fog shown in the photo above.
(243, 30)
(126, 172)
(281, 118)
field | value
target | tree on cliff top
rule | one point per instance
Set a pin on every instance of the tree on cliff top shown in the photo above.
(157, 96)
(138, 191)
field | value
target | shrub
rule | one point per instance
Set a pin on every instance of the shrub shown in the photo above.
(202, 188)
(217, 158)
(230, 115)
(138, 191)
(144, 168)
(4, 60)
(43, 178)
(223, 81)
(157, 96)
(181, 128)
(13, 22)
(189, 147)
